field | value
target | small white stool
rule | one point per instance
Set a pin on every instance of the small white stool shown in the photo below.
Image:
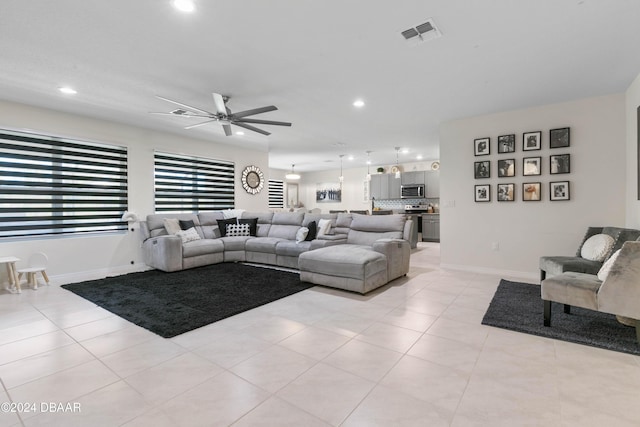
(14, 283)
(37, 264)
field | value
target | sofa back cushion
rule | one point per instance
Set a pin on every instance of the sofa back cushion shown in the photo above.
(285, 225)
(366, 229)
(264, 221)
(155, 223)
(209, 223)
(343, 223)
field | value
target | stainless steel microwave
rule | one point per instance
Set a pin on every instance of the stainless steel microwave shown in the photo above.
(412, 191)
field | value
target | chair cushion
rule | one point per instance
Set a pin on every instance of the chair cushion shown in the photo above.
(559, 264)
(597, 247)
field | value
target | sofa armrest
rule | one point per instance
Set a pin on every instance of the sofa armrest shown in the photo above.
(163, 253)
(398, 252)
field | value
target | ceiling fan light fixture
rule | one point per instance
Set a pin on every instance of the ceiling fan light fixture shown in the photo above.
(187, 6)
(292, 175)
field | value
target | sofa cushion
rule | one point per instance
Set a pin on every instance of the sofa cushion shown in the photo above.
(235, 230)
(572, 288)
(186, 224)
(324, 226)
(263, 244)
(235, 243)
(597, 247)
(264, 222)
(172, 225)
(352, 261)
(253, 225)
(289, 248)
(222, 225)
(188, 235)
(313, 231)
(202, 247)
(301, 235)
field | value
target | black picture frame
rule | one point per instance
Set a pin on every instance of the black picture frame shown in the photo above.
(559, 138)
(507, 143)
(506, 168)
(559, 164)
(482, 169)
(482, 193)
(506, 193)
(532, 141)
(531, 166)
(482, 146)
(559, 190)
(531, 191)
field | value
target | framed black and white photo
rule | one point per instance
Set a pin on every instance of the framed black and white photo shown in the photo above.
(483, 193)
(531, 166)
(531, 141)
(531, 191)
(506, 192)
(328, 192)
(559, 164)
(507, 143)
(506, 167)
(559, 138)
(482, 146)
(482, 169)
(559, 190)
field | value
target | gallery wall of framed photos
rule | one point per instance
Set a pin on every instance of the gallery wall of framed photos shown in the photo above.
(511, 160)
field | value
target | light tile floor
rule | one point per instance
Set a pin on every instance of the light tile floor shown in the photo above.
(410, 354)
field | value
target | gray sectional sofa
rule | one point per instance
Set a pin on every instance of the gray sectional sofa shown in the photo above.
(275, 243)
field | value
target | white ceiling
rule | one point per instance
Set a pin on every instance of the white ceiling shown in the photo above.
(312, 59)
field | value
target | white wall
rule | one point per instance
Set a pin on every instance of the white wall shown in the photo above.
(524, 231)
(72, 258)
(632, 100)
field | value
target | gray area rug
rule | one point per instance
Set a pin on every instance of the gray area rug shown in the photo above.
(518, 307)
(170, 304)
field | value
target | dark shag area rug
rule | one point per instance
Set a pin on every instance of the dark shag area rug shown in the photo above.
(170, 304)
(518, 307)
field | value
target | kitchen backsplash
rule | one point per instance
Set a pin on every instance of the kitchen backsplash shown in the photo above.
(398, 204)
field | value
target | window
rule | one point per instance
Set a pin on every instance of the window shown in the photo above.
(276, 193)
(54, 186)
(185, 184)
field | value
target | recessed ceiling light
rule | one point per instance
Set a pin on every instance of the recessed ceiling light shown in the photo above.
(359, 103)
(67, 90)
(350, 157)
(419, 157)
(405, 151)
(184, 5)
(240, 133)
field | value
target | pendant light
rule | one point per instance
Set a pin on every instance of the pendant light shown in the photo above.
(397, 165)
(368, 165)
(292, 175)
(341, 178)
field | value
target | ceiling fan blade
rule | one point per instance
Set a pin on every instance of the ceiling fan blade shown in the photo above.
(227, 130)
(255, 129)
(201, 124)
(253, 112)
(262, 122)
(181, 115)
(218, 100)
(199, 110)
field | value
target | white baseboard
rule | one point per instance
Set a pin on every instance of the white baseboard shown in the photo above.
(523, 275)
(101, 273)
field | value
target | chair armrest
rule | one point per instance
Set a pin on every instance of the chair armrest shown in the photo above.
(163, 253)
(620, 292)
(398, 252)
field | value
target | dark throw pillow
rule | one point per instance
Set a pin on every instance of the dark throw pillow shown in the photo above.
(222, 225)
(185, 225)
(313, 230)
(253, 225)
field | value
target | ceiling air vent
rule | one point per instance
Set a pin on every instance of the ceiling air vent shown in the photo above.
(422, 33)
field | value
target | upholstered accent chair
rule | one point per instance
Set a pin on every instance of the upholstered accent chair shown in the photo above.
(618, 293)
(553, 265)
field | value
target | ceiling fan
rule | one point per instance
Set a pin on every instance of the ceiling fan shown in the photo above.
(223, 115)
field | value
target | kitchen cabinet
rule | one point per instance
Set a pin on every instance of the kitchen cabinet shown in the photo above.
(430, 228)
(384, 186)
(413, 177)
(432, 184)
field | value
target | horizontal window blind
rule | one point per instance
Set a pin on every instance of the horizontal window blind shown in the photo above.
(276, 193)
(185, 184)
(55, 186)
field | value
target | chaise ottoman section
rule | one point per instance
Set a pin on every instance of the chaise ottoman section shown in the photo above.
(350, 267)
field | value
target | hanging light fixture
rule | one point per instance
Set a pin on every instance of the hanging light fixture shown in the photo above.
(368, 164)
(341, 178)
(292, 175)
(397, 165)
